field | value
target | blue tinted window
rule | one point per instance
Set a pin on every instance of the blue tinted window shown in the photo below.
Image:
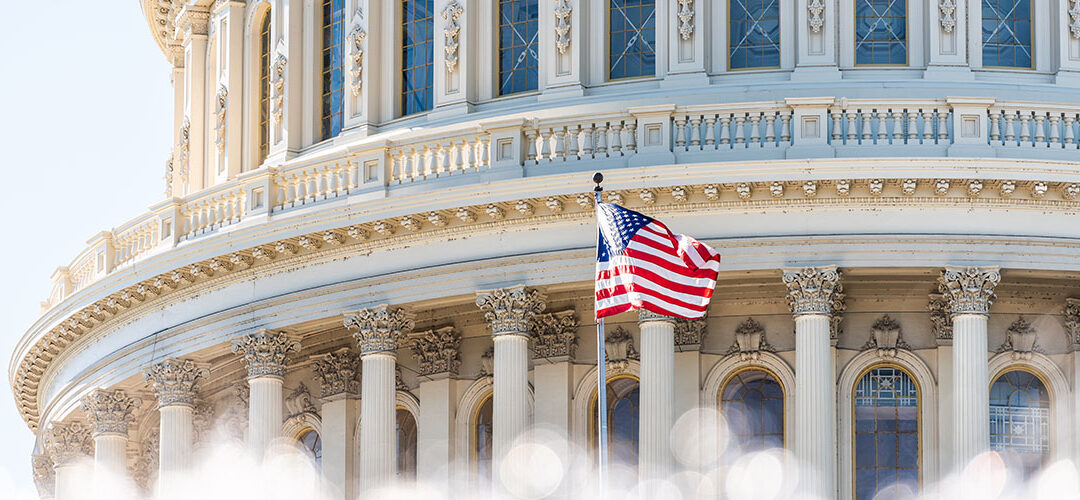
(1006, 33)
(631, 38)
(880, 32)
(622, 414)
(886, 431)
(754, 34)
(333, 26)
(753, 406)
(1020, 421)
(518, 60)
(417, 60)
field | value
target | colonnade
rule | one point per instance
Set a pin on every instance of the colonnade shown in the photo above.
(815, 297)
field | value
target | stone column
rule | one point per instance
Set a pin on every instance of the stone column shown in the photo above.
(813, 295)
(969, 293)
(555, 342)
(44, 476)
(438, 357)
(338, 373)
(510, 313)
(266, 354)
(110, 413)
(68, 445)
(941, 324)
(377, 332)
(174, 382)
(657, 394)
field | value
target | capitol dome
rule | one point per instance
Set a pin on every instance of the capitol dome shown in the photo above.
(376, 248)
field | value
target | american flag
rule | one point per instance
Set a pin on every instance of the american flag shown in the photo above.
(640, 264)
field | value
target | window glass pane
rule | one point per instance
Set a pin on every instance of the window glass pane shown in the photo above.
(631, 38)
(264, 87)
(406, 444)
(881, 32)
(417, 65)
(752, 403)
(622, 415)
(518, 37)
(886, 431)
(333, 34)
(312, 443)
(482, 439)
(754, 34)
(1006, 33)
(1020, 421)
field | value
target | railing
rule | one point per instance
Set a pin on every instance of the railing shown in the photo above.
(554, 141)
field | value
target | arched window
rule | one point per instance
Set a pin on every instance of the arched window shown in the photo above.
(312, 443)
(886, 431)
(481, 439)
(417, 55)
(752, 402)
(406, 444)
(622, 415)
(1020, 420)
(631, 38)
(333, 79)
(881, 32)
(754, 34)
(518, 60)
(1006, 33)
(264, 87)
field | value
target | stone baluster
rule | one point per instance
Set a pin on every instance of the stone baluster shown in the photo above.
(913, 126)
(438, 358)
(266, 355)
(338, 374)
(378, 331)
(657, 396)
(969, 292)
(813, 296)
(68, 445)
(174, 382)
(510, 313)
(110, 414)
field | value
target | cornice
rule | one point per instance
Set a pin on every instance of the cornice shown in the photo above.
(44, 345)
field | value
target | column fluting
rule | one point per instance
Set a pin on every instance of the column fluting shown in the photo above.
(657, 395)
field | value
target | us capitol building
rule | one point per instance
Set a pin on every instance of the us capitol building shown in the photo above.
(376, 249)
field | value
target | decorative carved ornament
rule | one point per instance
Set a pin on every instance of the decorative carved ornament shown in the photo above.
(948, 15)
(379, 329)
(110, 412)
(690, 333)
(201, 421)
(886, 337)
(1074, 18)
(338, 372)
(174, 381)
(815, 10)
(265, 352)
(451, 33)
(940, 319)
(145, 468)
(221, 105)
(750, 341)
(66, 443)
(686, 19)
(299, 402)
(169, 174)
(1020, 339)
(437, 351)
(619, 350)
(511, 311)
(555, 334)
(357, 36)
(399, 381)
(183, 149)
(1072, 321)
(969, 290)
(487, 362)
(44, 475)
(813, 290)
(277, 82)
(563, 21)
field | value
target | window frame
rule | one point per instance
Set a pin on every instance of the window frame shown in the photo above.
(779, 43)
(322, 134)
(855, 38)
(299, 438)
(1031, 35)
(497, 44)
(1051, 401)
(593, 433)
(919, 424)
(607, 45)
(264, 58)
(775, 378)
(474, 435)
(399, 44)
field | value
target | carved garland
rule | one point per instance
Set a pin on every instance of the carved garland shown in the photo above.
(1074, 18)
(816, 15)
(686, 19)
(221, 107)
(357, 36)
(948, 15)
(277, 82)
(563, 10)
(451, 33)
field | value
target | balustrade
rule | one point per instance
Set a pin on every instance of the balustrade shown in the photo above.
(858, 123)
(1015, 125)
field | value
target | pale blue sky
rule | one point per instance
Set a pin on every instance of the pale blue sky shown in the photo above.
(85, 127)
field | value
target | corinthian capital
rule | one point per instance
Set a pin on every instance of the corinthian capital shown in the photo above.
(379, 329)
(436, 351)
(174, 381)
(969, 290)
(555, 335)
(1072, 321)
(265, 353)
(814, 290)
(66, 443)
(338, 372)
(110, 411)
(510, 311)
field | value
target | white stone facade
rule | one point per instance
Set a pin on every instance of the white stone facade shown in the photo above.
(383, 263)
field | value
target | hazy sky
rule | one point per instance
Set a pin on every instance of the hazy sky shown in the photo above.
(85, 120)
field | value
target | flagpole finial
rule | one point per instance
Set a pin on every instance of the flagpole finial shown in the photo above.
(598, 178)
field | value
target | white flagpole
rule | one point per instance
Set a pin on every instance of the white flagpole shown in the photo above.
(601, 379)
